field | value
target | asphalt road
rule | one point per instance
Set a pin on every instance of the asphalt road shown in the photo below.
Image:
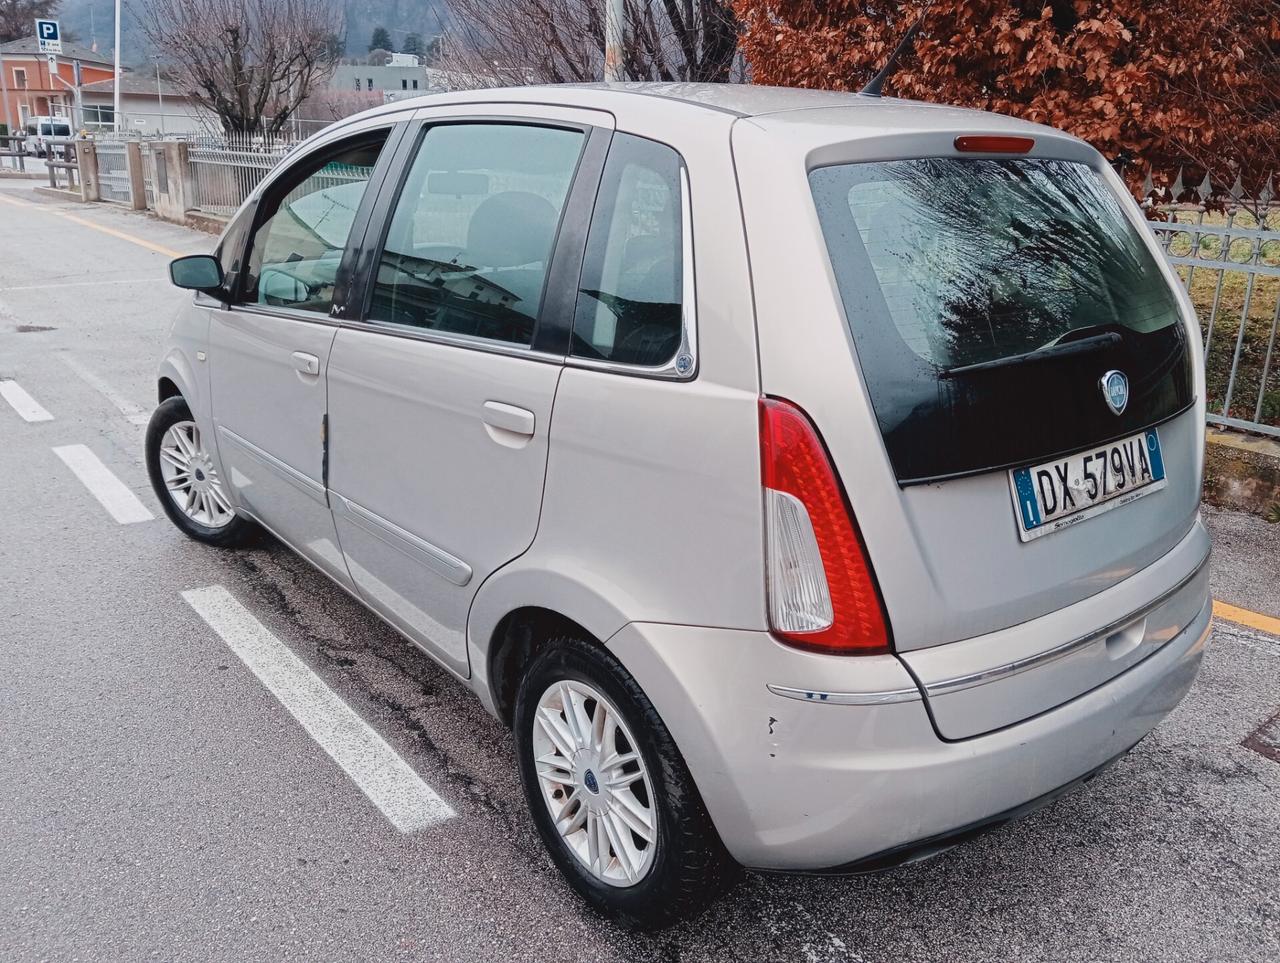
(158, 802)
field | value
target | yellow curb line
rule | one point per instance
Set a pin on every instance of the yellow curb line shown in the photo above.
(158, 248)
(1255, 620)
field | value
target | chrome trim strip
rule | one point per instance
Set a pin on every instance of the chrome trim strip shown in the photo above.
(683, 365)
(847, 698)
(308, 486)
(975, 679)
(449, 567)
(395, 330)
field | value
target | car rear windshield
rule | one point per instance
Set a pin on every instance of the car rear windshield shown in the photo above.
(987, 298)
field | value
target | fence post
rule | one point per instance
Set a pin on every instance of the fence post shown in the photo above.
(87, 158)
(185, 176)
(173, 189)
(137, 181)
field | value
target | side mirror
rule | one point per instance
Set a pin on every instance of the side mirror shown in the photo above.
(196, 272)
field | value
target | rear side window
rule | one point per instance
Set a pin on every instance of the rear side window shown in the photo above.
(303, 226)
(61, 130)
(629, 307)
(953, 271)
(470, 242)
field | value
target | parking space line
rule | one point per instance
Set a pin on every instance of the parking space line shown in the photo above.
(112, 494)
(132, 412)
(377, 769)
(23, 403)
(1254, 620)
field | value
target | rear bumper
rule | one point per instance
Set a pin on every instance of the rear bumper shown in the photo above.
(799, 785)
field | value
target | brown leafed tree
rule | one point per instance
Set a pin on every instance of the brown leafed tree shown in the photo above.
(562, 41)
(250, 62)
(1152, 83)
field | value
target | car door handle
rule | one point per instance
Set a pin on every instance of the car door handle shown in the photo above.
(519, 421)
(306, 363)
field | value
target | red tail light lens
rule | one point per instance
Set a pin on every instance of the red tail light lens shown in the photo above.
(991, 144)
(822, 594)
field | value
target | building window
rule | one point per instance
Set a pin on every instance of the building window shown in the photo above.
(415, 85)
(96, 116)
(404, 84)
(20, 78)
(371, 83)
(357, 83)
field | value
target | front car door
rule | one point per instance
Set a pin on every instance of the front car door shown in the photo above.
(440, 393)
(269, 348)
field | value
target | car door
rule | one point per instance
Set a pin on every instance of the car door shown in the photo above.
(269, 348)
(440, 393)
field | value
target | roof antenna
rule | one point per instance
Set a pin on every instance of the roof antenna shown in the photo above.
(874, 85)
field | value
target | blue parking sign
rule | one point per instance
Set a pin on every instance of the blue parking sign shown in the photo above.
(49, 34)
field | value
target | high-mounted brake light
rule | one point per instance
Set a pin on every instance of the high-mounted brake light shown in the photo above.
(822, 594)
(992, 144)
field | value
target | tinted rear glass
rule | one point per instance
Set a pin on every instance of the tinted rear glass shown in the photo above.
(944, 264)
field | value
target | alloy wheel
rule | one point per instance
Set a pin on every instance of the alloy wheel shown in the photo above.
(190, 477)
(594, 783)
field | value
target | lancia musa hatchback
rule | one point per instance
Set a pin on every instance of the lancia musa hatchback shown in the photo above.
(809, 480)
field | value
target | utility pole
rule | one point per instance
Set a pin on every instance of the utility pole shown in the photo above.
(116, 108)
(615, 15)
(159, 93)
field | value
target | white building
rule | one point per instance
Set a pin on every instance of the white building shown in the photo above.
(146, 109)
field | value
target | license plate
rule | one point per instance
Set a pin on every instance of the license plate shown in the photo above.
(1051, 496)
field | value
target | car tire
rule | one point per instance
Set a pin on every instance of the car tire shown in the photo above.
(650, 884)
(208, 515)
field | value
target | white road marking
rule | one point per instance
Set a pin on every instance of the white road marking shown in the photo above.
(23, 403)
(377, 769)
(122, 504)
(132, 412)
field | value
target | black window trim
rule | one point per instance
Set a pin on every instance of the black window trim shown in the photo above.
(395, 126)
(554, 319)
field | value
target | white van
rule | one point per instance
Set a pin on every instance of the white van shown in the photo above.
(41, 129)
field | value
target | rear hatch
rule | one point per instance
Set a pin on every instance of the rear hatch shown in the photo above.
(1006, 330)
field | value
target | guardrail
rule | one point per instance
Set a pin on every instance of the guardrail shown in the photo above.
(15, 146)
(1232, 273)
(69, 162)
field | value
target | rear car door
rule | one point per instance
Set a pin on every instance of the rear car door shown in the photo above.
(268, 350)
(440, 392)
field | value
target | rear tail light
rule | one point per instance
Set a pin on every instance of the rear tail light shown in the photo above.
(822, 594)
(992, 144)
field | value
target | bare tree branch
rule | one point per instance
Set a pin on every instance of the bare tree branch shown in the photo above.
(493, 42)
(250, 62)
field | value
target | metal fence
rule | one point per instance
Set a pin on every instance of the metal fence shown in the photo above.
(113, 171)
(225, 172)
(1230, 264)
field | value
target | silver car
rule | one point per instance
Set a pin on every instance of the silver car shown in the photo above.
(811, 481)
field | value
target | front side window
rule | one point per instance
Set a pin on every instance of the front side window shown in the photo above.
(630, 308)
(470, 242)
(303, 227)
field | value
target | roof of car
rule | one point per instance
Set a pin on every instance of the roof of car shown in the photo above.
(792, 107)
(740, 100)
